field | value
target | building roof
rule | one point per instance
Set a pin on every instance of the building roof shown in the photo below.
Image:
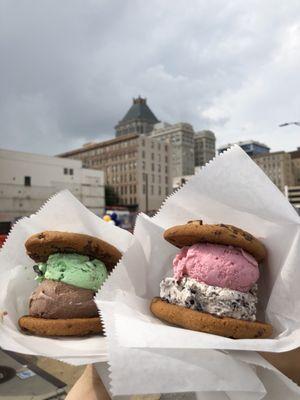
(270, 154)
(140, 111)
(35, 158)
(295, 154)
(244, 143)
(167, 129)
(205, 133)
(96, 145)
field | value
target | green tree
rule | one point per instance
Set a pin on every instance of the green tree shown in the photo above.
(111, 197)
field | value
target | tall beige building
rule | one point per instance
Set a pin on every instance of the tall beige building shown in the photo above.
(278, 167)
(181, 136)
(136, 167)
(205, 147)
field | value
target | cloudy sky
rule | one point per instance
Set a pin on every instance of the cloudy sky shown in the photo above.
(69, 69)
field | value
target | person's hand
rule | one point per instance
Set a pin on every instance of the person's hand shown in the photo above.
(89, 387)
(288, 363)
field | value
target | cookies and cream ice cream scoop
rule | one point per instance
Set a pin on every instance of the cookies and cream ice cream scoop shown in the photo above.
(70, 268)
(214, 285)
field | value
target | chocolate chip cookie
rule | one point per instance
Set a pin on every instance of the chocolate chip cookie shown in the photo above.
(208, 323)
(41, 245)
(60, 327)
(196, 232)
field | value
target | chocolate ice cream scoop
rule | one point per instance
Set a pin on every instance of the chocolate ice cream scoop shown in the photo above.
(53, 299)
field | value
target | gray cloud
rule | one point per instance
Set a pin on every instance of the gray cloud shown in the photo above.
(69, 69)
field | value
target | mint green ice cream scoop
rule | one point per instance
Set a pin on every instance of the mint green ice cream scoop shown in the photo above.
(73, 269)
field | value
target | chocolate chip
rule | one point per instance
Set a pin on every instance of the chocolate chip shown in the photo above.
(259, 333)
(37, 270)
(248, 237)
(41, 236)
(224, 226)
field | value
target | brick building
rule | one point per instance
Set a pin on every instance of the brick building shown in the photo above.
(136, 167)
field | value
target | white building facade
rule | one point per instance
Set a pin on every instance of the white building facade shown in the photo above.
(28, 180)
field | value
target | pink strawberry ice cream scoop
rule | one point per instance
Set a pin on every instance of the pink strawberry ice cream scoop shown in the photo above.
(217, 265)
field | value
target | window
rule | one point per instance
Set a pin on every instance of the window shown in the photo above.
(143, 153)
(167, 192)
(71, 171)
(27, 180)
(152, 167)
(159, 191)
(66, 169)
(152, 156)
(144, 189)
(152, 189)
(153, 178)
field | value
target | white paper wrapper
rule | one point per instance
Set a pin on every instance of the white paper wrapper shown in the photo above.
(231, 189)
(62, 212)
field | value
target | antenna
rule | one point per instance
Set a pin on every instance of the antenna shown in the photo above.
(289, 123)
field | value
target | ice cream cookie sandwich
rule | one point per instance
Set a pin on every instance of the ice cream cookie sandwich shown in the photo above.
(70, 268)
(214, 286)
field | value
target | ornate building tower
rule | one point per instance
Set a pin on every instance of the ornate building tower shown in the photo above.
(138, 119)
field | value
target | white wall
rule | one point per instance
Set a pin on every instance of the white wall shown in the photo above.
(47, 177)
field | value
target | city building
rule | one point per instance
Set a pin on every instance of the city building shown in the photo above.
(295, 157)
(278, 166)
(205, 147)
(139, 119)
(251, 147)
(136, 166)
(181, 136)
(28, 180)
(293, 195)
